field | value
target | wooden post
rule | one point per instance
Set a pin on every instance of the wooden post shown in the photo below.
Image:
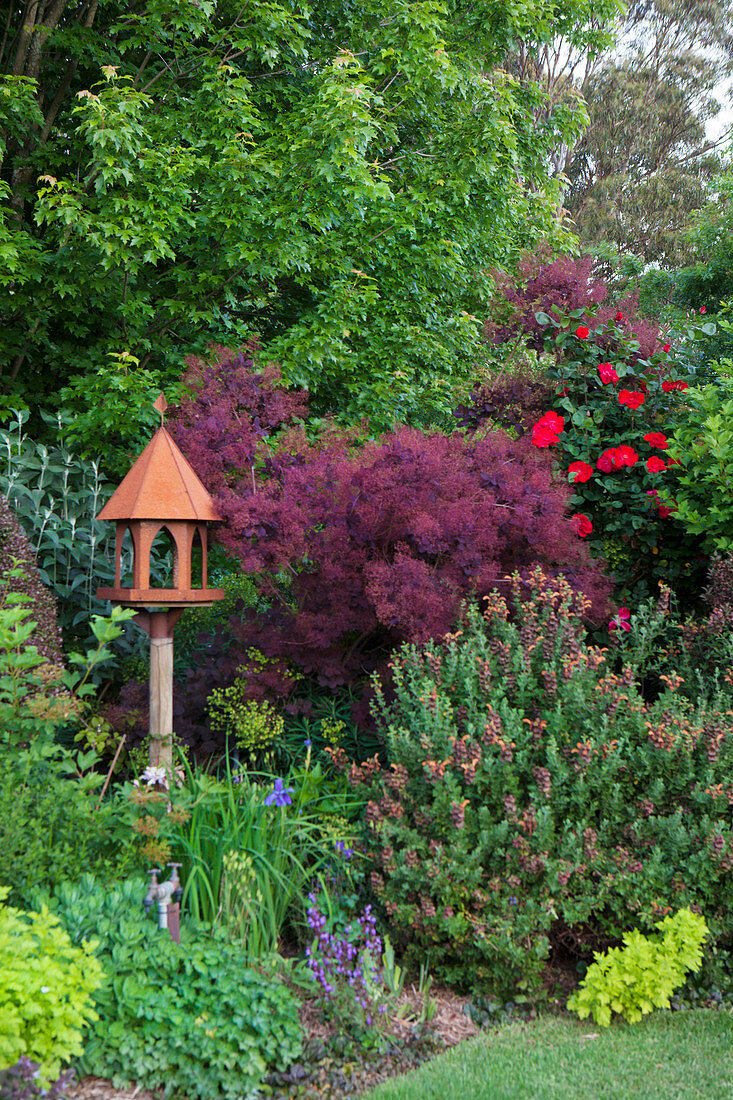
(159, 625)
(161, 702)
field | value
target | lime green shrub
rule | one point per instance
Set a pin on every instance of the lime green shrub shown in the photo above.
(644, 973)
(46, 987)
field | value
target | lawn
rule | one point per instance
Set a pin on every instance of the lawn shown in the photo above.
(668, 1056)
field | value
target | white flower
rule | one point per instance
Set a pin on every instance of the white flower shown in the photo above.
(153, 775)
(45, 989)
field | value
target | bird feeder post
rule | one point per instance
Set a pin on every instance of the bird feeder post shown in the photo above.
(161, 492)
(159, 626)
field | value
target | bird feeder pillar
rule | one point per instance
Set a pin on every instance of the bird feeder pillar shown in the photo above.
(161, 491)
(159, 625)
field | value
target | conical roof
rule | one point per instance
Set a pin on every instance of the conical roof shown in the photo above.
(160, 485)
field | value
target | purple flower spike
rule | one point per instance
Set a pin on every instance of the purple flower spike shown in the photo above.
(279, 795)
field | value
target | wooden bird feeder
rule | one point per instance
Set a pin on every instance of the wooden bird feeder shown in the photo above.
(161, 493)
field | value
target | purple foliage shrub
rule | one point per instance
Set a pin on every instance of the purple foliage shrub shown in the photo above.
(512, 400)
(236, 407)
(386, 542)
(558, 287)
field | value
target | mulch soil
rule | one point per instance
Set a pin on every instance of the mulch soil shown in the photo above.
(334, 1066)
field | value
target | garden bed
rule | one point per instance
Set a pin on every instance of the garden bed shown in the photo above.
(332, 1065)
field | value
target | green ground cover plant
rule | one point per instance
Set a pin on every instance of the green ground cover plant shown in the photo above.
(189, 1018)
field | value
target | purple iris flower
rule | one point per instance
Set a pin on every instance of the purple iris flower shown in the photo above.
(279, 795)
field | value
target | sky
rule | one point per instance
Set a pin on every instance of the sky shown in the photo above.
(724, 120)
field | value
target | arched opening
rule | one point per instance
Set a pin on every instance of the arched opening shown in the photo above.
(197, 560)
(127, 559)
(163, 560)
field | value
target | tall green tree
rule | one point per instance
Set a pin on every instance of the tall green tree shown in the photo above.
(644, 163)
(335, 178)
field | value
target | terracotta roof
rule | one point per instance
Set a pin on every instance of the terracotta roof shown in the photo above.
(160, 485)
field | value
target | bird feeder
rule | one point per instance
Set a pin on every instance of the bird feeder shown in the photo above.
(161, 493)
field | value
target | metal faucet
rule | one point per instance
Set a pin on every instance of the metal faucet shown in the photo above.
(168, 895)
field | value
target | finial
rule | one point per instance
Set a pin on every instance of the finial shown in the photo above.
(161, 405)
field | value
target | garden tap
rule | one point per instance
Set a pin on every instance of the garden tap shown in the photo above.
(167, 894)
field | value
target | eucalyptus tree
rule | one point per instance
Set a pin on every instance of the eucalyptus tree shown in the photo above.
(645, 161)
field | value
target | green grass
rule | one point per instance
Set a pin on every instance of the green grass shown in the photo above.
(667, 1056)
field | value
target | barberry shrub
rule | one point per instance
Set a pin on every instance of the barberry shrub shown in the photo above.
(531, 803)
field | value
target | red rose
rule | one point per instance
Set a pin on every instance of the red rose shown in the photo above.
(582, 332)
(666, 347)
(657, 439)
(547, 430)
(626, 456)
(671, 386)
(621, 622)
(703, 309)
(607, 373)
(617, 457)
(632, 398)
(663, 510)
(655, 465)
(582, 525)
(582, 470)
(619, 316)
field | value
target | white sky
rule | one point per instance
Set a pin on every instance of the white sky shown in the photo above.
(724, 120)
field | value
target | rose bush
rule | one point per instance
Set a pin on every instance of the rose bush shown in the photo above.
(611, 420)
